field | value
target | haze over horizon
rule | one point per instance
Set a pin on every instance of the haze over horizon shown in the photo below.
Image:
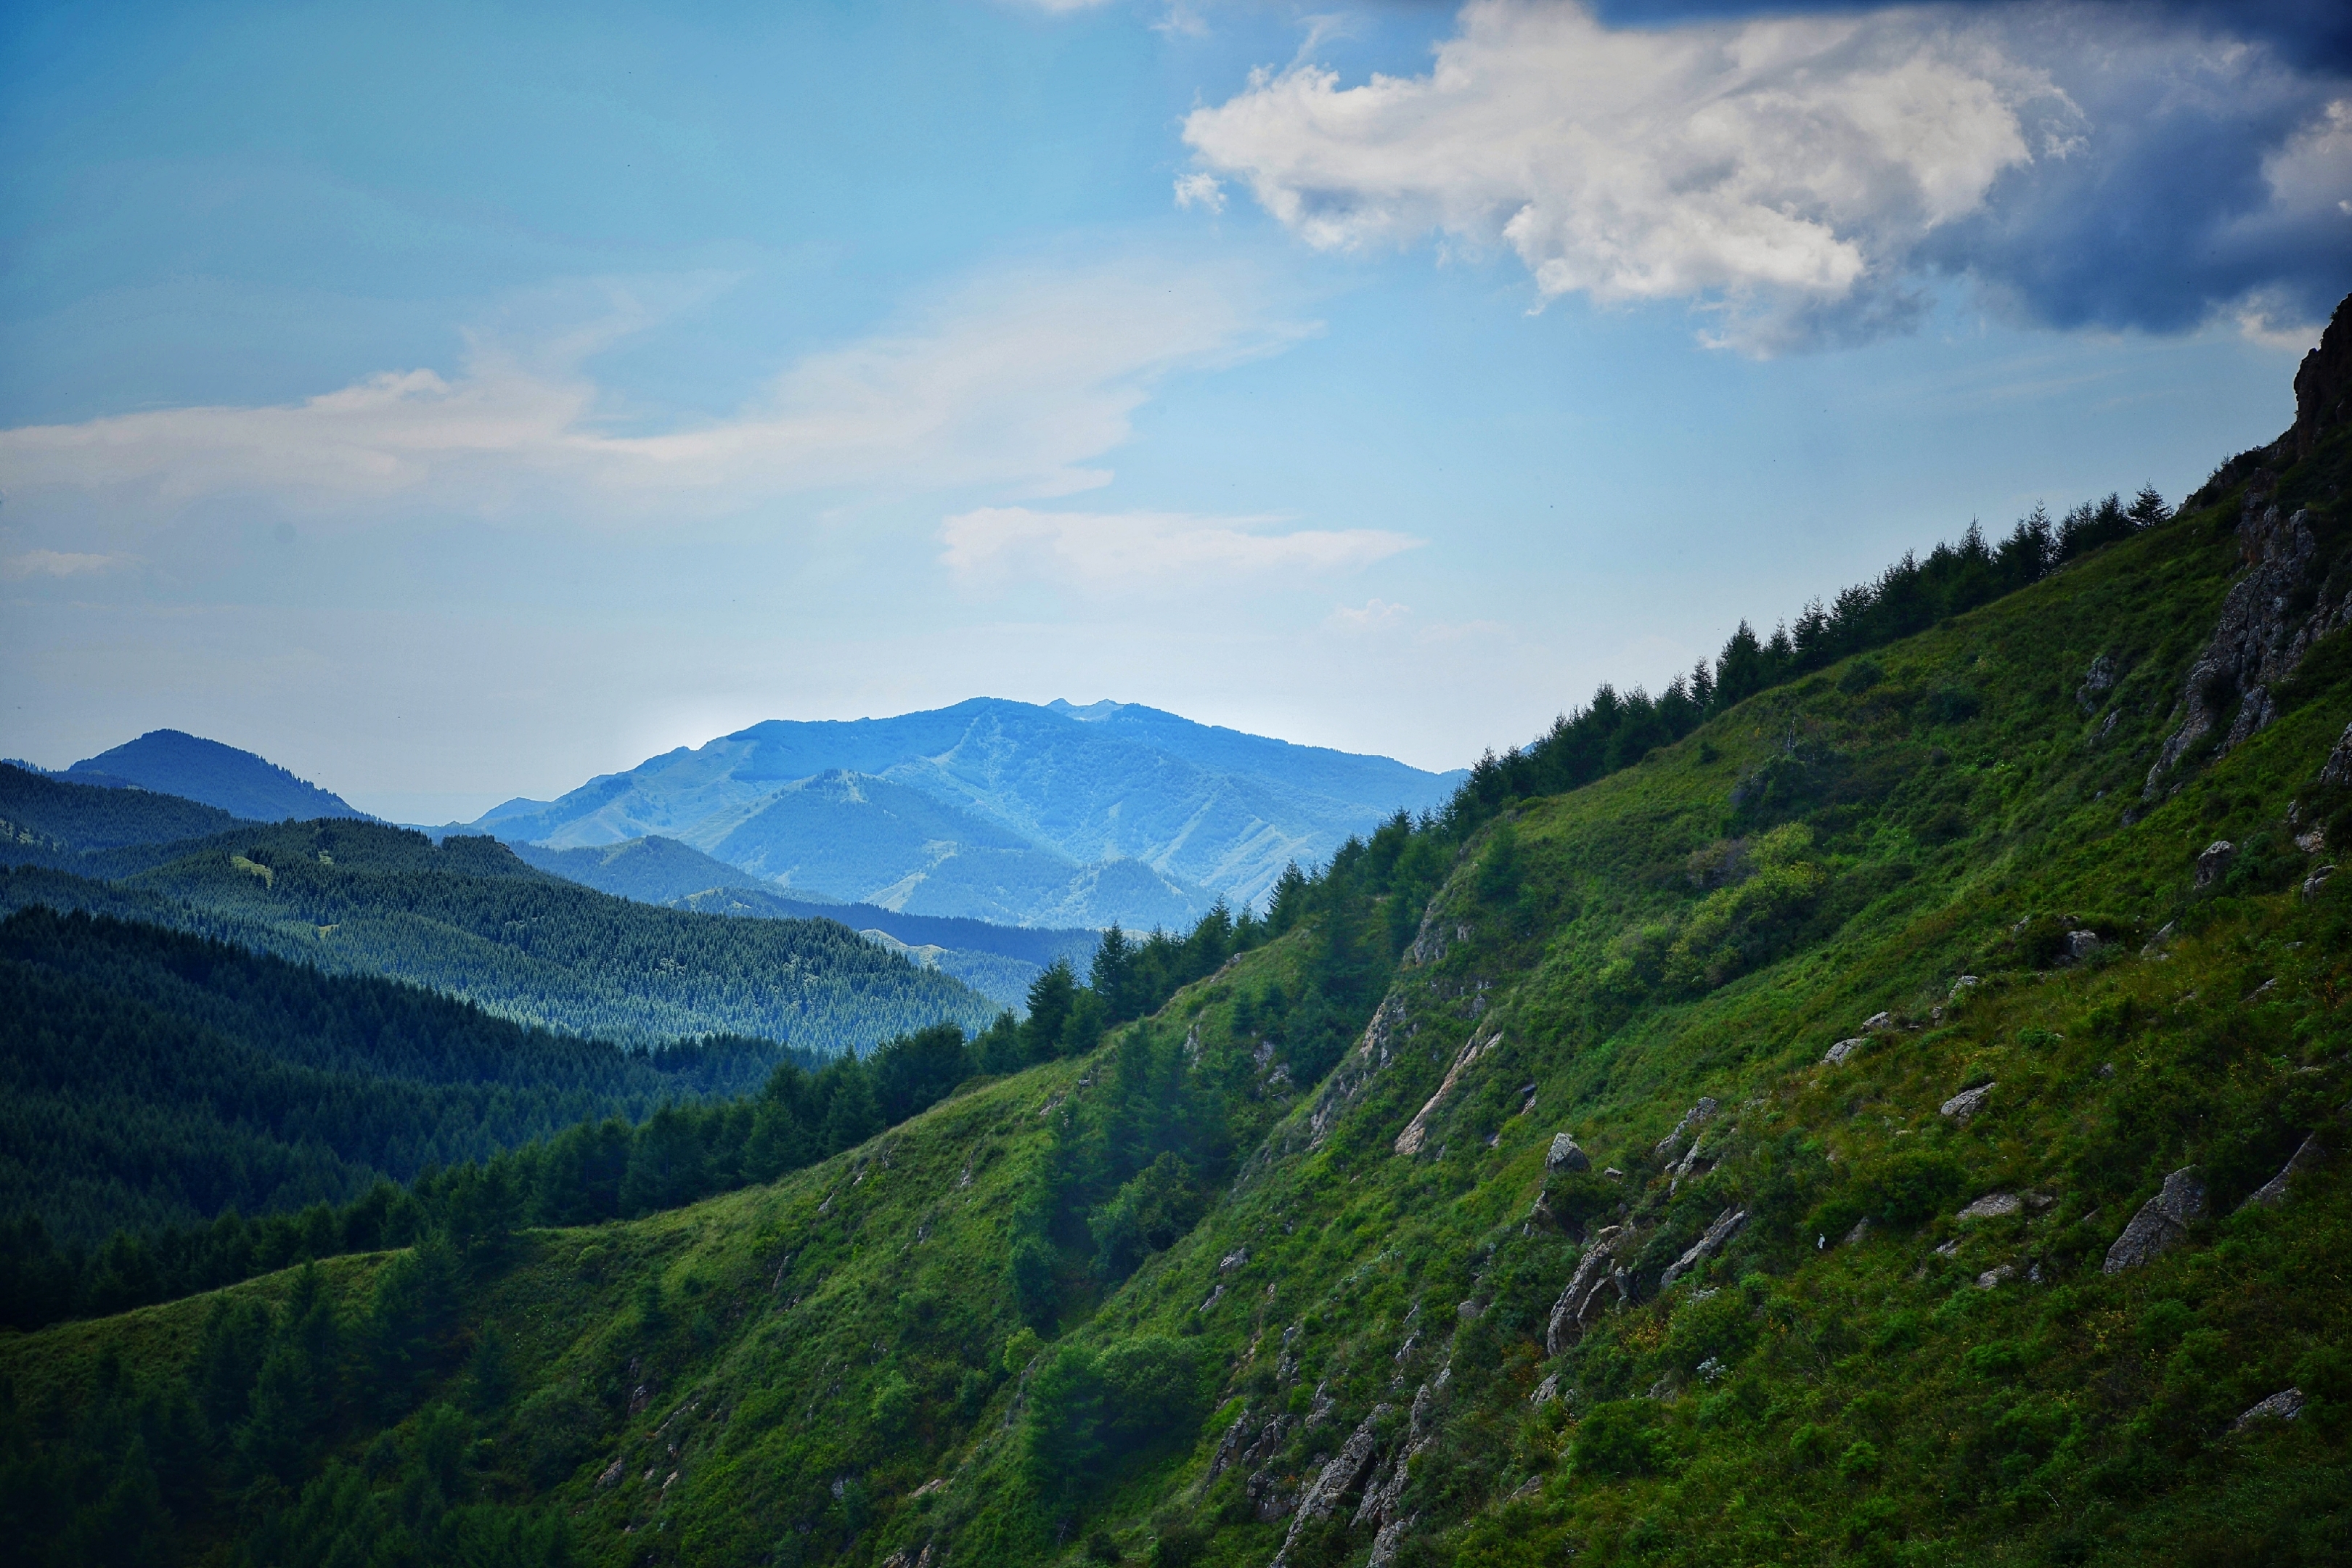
(448, 408)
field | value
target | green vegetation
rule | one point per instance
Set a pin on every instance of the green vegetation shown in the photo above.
(1881, 1002)
(468, 917)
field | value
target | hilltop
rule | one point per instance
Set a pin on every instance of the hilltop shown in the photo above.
(169, 762)
(1880, 1103)
(996, 810)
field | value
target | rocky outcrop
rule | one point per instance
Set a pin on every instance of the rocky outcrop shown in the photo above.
(2269, 620)
(1696, 1117)
(1992, 1206)
(2162, 1221)
(2323, 388)
(1842, 1049)
(1438, 931)
(1416, 1131)
(1968, 1103)
(2097, 681)
(1727, 1225)
(1340, 1478)
(2309, 1157)
(2213, 862)
(1599, 1281)
(2284, 1406)
(2337, 769)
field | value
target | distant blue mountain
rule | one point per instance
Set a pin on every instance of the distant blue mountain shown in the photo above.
(168, 761)
(996, 810)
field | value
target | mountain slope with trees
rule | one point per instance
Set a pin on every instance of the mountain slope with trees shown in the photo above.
(1897, 1120)
(169, 762)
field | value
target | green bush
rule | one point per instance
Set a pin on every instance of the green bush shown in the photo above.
(1614, 1441)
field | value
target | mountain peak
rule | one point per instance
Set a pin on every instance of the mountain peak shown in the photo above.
(172, 762)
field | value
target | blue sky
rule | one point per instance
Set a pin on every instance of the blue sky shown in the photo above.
(453, 403)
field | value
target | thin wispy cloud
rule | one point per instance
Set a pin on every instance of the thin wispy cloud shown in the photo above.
(995, 546)
(1020, 381)
(1802, 178)
(59, 564)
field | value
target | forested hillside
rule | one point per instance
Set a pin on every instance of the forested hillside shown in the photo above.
(468, 917)
(168, 761)
(1883, 1104)
(154, 1079)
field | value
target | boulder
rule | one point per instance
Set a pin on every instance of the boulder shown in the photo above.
(2161, 1222)
(1727, 1225)
(1233, 1260)
(2309, 1157)
(2316, 880)
(1842, 1049)
(2337, 769)
(2097, 681)
(2082, 944)
(1879, 1024)
(1992, 1206)
(2214, 863)
(1968, 1103)
(1564, 1155)
(2284, 1406)
(1996, 1275)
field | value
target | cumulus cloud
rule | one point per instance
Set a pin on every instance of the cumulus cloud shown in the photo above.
(1201, 190)
(1373, 614)
(58, 563)
(1125, 551)
(1803, 176)
(1019, 381)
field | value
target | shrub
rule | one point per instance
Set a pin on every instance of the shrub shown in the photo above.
(1614, 1441)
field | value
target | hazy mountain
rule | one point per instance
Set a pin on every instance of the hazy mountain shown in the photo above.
(999, 810)
(239, 782)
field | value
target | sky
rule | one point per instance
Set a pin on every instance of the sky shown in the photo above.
(453, 403)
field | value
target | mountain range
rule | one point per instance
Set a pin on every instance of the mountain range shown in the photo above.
(1009, 812)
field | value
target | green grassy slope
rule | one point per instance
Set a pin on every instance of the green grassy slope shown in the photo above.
(1352, 1355)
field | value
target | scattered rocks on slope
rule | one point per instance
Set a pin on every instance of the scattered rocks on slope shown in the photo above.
(2214, 863)
(1968, 1103)
(2284, 1406)
(2309, 1157)
(1726, 1225)
(2161, 1222)
(1564, 1155)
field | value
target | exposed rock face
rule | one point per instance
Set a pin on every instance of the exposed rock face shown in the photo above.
(1968, 1103)
(1564, 1155)
(2263, 632)
(1696, 1117)
(1727, 1225)
(1993, 1206)
(2162, 1221)
(1383, 1037)
(1416, 1131)
(2310, 1156)
(2323, 387)
(1597, 1282)
(1438, 931)
(2213, 864)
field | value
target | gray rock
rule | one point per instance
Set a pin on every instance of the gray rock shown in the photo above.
(1589, 1289)
(2337, 769)
(1271, 1496)
(613, 1474)
(1347, 1472)
(2284, 1406)
(1878, 1023)
(1416, 1132)
(2309, 1157)
(1992, 1206)
(1859, 1234)
(1564, 1155)
(1233, 1260)
(1842, 1049)
(2097, 681)
(1388, 1542)
(1995, 1276)
(1964, 983)
(2316, 880)
(1968, 1103)
(2162, 1221)
(2082, 944)
(2214, 863)
(1726, 1225)
(1696, 1117)
(1546, 1391)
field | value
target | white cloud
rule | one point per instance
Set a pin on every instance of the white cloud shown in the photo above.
(1120, 551)
(1200, 189)
(1375, 614)
(1019, 381)
(1781, 163)
(59, 564)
